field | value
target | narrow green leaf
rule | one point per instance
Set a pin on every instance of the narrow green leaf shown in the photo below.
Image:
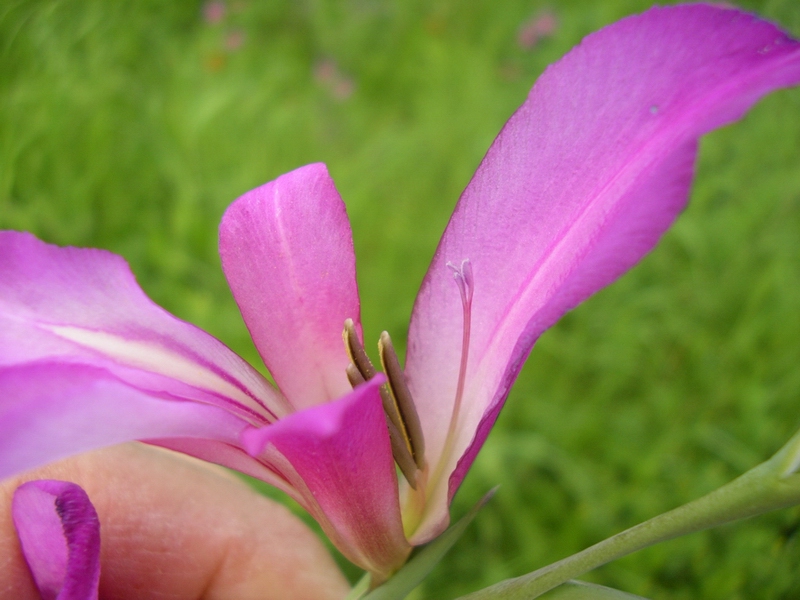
(360, 588)
(769, 486)
(423, 562)
(580, 590)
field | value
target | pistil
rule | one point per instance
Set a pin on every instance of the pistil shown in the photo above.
(462, 274)
(416, 503)
(463, 277)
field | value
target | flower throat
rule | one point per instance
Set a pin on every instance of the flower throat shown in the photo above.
(402, 420)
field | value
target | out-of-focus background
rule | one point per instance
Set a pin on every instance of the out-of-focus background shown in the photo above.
(132, 125)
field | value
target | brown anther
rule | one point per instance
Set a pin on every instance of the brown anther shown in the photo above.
(401, 454)
(355, 349)
(354, 375)
(402, 401)
(360, 370)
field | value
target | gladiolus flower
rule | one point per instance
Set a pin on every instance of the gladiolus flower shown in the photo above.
(578, 186)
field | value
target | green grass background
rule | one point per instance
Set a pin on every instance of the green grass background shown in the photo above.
(131, 126)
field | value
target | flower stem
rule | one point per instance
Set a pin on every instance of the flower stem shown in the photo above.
(771, 485)
(360, 589)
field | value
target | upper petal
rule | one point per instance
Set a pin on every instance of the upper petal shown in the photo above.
(84, 306)
(578, 186)
(339, 459)
(59, 533)
(287, 252)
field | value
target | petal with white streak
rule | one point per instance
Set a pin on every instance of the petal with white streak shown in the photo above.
(51, 411)
(84, 306)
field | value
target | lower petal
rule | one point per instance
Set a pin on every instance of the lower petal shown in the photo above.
(339, 459)
(51, 411)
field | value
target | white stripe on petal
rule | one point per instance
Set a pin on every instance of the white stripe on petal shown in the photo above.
(163, 361)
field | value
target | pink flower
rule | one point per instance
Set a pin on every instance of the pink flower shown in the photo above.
(327, 73)
(578, 186)
(234, 40)
(214, 12)
(533, 30)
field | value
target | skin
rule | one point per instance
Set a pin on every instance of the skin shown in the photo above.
(175, 528)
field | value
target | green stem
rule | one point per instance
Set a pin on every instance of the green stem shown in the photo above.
(361, 588)
(770, 485)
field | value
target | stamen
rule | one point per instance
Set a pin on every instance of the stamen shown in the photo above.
(463, 277)
(361, 370)
(355, 349)
(354, 375)
(401, 455)
(403, 402)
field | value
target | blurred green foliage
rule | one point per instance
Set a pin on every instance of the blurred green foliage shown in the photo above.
(132, 125)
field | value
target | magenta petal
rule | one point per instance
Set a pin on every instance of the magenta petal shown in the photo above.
(287, 252)
(579, 185)
(60, 537)
(84, 306)
(339, 458)
(51, 411)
